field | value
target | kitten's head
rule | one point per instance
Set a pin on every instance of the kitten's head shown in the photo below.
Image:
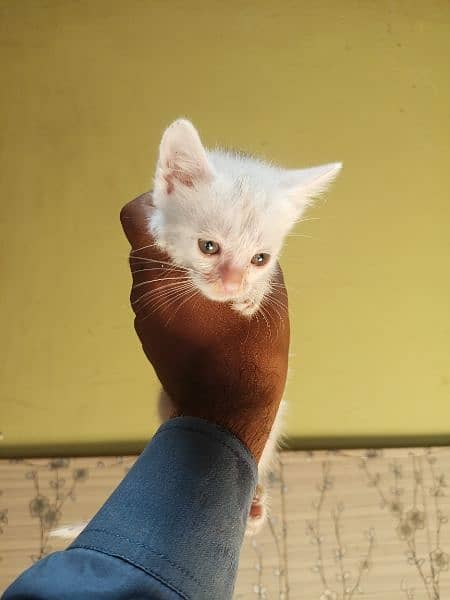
(224, 216)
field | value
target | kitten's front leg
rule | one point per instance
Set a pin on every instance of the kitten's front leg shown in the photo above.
(260, 504)
(249, 305)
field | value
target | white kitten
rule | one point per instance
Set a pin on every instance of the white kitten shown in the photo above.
(223, 216)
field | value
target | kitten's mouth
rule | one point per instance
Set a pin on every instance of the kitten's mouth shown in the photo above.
(214, 289)
(220, 295)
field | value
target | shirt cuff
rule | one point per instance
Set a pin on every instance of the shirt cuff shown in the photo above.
(180, 513)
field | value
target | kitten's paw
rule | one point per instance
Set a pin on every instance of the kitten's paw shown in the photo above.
(247, 308)
(258, 512)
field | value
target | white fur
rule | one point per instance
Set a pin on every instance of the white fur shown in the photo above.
(68, 532)
(245, 205)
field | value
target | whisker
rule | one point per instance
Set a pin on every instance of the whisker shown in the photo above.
(279, 303)
(184, 302)
(161, 287)
(143, 247)
(176, 289)
(163, 294)
(304, 219)
(305, 235)
(145, 259)
(181, 277)
(152, 260)
(143, 270)
(163, 272)
(162, 264)
(276, 322)
(279, 323)
(168, 302)
(151, 302)
(273, 307)
(262, 312)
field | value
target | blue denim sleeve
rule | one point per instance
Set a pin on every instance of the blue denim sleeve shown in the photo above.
(172, 529)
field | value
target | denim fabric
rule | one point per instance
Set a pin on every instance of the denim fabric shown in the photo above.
(172, 529)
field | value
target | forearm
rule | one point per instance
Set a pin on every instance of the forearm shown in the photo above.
(172, 529)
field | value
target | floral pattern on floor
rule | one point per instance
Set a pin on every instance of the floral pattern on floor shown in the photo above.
(343, 525)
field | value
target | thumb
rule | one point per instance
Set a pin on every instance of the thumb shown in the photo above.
(135, 217)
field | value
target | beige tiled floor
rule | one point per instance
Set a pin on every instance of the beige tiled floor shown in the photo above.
(344, 524)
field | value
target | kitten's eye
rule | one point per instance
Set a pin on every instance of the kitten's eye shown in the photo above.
(208, 246)
(260, 259)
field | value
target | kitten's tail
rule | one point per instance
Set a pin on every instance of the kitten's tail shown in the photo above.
(68, 532)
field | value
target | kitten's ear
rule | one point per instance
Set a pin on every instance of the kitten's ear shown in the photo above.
(182, 158)
(304, 185)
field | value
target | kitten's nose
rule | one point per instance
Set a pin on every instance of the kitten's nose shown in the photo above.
(231, 277)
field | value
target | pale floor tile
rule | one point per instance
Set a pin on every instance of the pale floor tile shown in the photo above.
(344, 525)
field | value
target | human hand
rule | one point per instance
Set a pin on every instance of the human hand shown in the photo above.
(213, 362)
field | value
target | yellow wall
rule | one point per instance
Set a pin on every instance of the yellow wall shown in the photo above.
(86, 90)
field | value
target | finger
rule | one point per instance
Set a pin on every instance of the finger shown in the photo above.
(135, 217)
